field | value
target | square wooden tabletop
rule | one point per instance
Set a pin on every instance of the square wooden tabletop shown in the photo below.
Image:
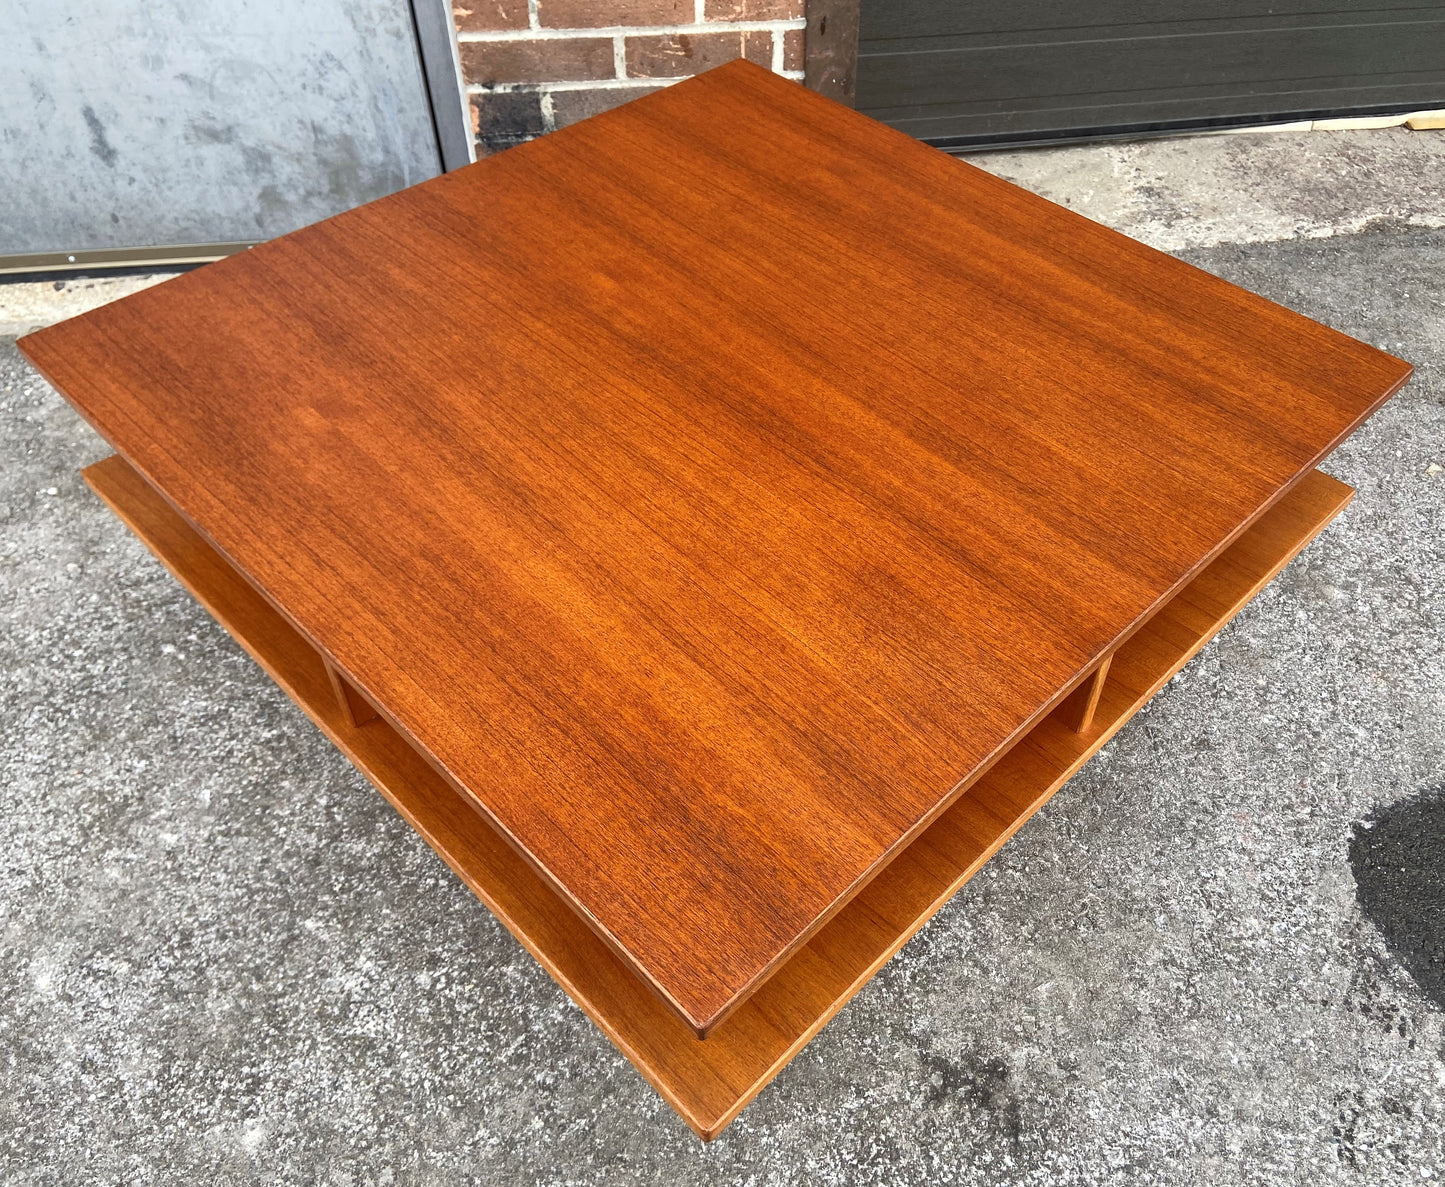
(712, 489)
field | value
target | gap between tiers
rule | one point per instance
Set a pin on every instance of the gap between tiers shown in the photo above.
(708, 1081)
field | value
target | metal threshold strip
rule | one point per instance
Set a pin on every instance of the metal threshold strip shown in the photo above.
(1387, 115)
(167, 255)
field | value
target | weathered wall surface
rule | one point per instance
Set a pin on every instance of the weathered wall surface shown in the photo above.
(205, 121)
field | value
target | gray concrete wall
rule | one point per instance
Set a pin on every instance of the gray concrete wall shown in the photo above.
(139, 122)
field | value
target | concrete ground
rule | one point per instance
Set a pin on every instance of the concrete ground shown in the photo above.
(1215, 956)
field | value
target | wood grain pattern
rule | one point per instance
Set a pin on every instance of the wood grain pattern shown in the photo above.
(709, 1081)
(713, 489)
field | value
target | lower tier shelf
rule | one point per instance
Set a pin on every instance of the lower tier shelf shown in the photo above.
(708, 1081)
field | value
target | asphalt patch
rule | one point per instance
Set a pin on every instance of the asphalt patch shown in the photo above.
(1398, 858)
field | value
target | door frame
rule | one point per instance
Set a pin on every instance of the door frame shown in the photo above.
(830, 48)
(441, 67)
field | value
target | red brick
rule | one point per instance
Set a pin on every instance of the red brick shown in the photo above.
(677, 55)
(754, 10)
(793, 49)
(561, 59)
(602, 14)
(569, 107)
(481, 16)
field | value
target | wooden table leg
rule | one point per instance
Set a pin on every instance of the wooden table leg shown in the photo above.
(1077, 709)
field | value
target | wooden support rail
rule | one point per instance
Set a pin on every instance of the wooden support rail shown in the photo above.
(1078, 708)
(357, 709)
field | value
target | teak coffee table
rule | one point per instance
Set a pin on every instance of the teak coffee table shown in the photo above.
(716, 526)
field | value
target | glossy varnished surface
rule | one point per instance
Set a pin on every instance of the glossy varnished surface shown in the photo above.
(711, 488)
(709, 1081)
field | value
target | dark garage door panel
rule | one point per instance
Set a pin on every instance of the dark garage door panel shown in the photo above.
(928, 19)
(941, 69)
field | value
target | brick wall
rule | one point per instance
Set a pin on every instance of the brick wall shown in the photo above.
(534, 65)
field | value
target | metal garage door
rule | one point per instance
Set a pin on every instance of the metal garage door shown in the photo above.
(963, 71)
(204, 122)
